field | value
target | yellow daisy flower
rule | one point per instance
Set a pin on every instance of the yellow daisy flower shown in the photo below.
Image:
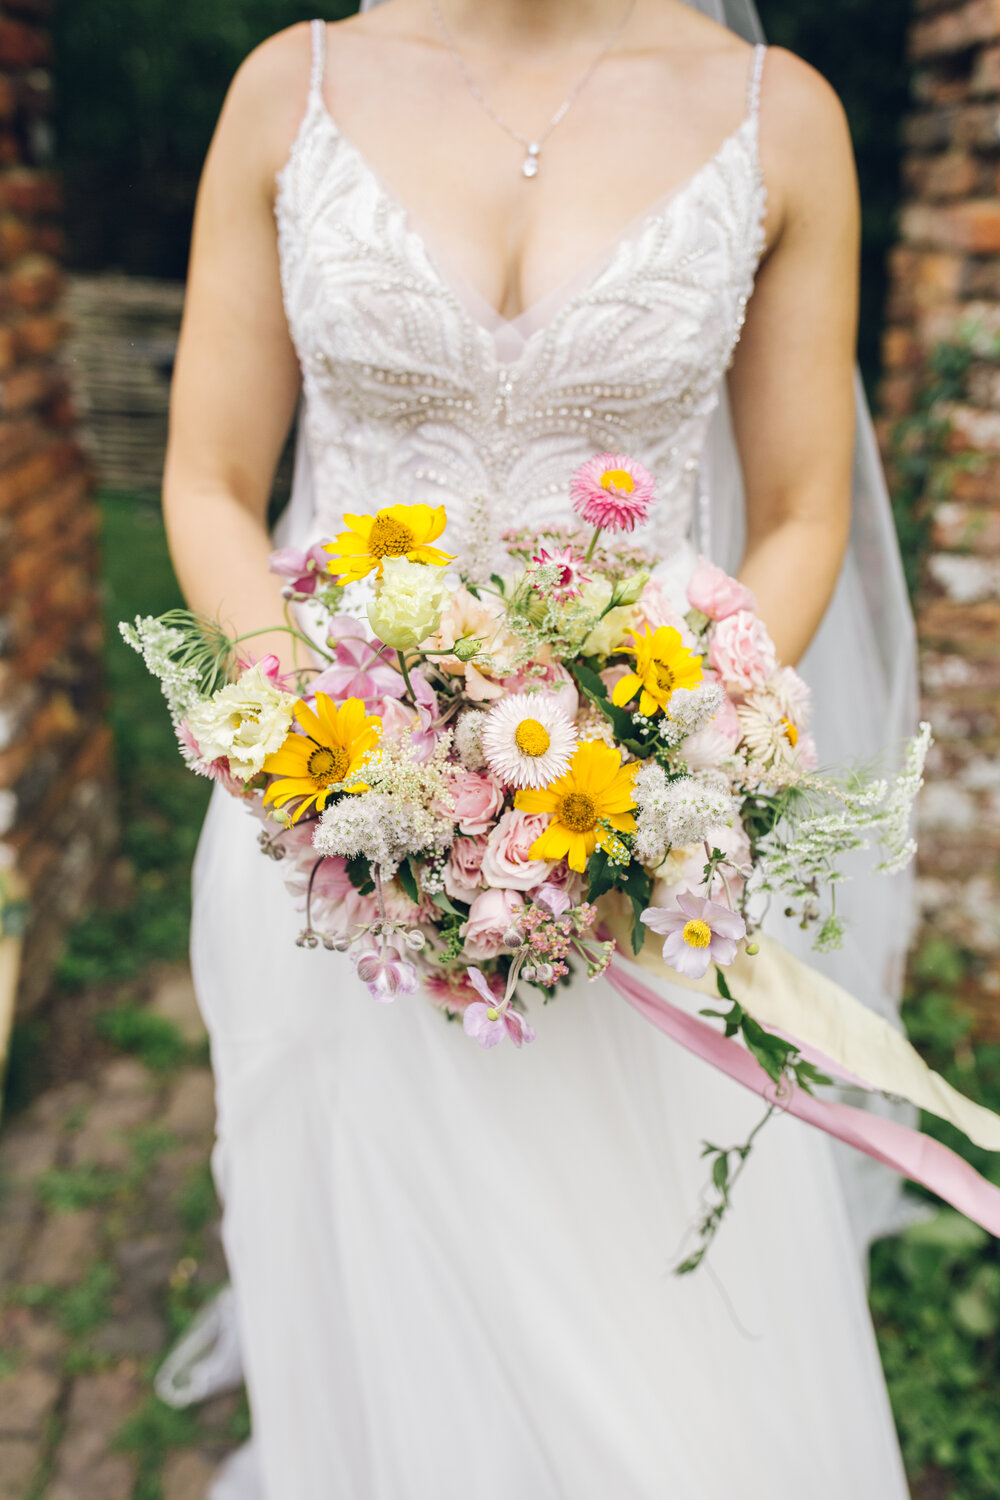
(662, 663)
(311, 766)
(399, 531)
(596, 788)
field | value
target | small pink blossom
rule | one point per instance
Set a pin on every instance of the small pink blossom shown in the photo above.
(742, 652)
(507, 862)
(304, 570)
(573, 572)
(478, 799)
(491, 915)
(489, 1021)
(715, 594)
(386, 974)
(554, 897)
(698, 932)
(463, 874)
(612, 492)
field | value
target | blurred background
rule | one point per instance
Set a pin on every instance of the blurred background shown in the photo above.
(108, 1220)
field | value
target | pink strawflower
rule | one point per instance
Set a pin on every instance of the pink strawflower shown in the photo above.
(571, 562)
(489, 1020)
(698, 932)
(386, 974)
(612, 492)
(304, 570)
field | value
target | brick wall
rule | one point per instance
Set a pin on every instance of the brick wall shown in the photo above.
(55, 803)
(946, 282)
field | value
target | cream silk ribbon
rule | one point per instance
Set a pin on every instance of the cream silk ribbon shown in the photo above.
(835, 1030)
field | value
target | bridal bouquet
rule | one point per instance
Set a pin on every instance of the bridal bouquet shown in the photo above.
(463, 769)
(472, 784)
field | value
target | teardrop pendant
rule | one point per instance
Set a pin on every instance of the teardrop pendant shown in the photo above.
(529, 167)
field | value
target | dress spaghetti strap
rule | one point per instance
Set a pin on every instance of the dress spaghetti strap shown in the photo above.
(318, 60)
(753, 83)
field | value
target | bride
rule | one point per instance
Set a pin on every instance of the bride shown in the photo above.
(476, 242)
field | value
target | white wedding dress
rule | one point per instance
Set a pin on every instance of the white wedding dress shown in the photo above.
(452, 1267)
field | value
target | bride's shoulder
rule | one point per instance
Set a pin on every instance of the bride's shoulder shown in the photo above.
(805, 139)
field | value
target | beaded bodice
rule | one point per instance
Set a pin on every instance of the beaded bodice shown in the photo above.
(409, 396)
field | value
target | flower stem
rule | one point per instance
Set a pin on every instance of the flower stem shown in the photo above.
(401, 658)
(593, 543)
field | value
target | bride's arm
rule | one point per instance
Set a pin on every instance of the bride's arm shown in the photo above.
(792, 380)
(236, 380)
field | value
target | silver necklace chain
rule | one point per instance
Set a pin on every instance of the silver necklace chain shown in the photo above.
(533, 148)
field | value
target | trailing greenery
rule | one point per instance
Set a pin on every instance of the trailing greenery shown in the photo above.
(920, 462)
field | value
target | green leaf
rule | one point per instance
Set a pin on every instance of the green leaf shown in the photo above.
(720, 1172)
(444, 903)
(359, 872)
(601, 873)
(407, 877)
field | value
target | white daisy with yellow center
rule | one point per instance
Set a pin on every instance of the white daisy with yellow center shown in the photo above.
(528, 739)
(770, 737)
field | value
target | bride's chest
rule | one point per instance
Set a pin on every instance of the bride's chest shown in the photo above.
(385, 334)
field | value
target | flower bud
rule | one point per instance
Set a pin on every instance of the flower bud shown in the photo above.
(386, 974)
(513, 937)
(467, 648)
(631, 589)
(753, 949)
(415, 940)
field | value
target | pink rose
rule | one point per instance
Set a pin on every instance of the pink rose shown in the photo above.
(656, 608)
(716, 594)
(742, 652)
(507, 861)
(490, 916)
(554, 677)
(463, 872)
(715, 741)
(478, 799)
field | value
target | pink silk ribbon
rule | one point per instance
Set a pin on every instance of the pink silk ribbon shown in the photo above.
(916, 1156)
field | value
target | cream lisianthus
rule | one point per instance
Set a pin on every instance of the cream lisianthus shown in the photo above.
(243, 722)
(409, 603)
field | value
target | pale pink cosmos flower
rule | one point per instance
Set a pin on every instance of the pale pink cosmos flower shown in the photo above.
(304, 570)
(613, 492)
(490, 1020)
(358, 669)
(698, 932)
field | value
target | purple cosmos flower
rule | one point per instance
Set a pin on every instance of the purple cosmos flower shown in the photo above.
(386, 974)
(490, 1020)
(302, 569)
(698, 932)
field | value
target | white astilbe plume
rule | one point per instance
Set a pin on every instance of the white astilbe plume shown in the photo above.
(158, 645)
(407, 809)
(690, 708)
(469, 739)
(676, 814)
(382, 828)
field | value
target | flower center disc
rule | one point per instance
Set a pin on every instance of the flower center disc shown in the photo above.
(328, 766)
(665, 678)
(577, 812)
(389, 538)
(791, 733)
(618, 479)
(697, 934)
(532, 738)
